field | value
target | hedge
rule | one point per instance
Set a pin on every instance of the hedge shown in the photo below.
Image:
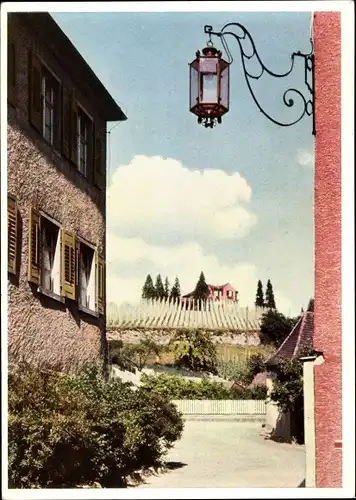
(177, 387)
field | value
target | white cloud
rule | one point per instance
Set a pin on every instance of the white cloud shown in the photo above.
(155, 195)
(186, 260)
(305, 158)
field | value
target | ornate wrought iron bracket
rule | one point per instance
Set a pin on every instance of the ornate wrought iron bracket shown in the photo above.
(307, 103)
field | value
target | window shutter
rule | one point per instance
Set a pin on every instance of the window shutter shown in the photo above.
(100, 283)
(66, 123)
(11, 72)
(68, 267)
(35, 92)
(99, 163)
(34, 250)
(74, 131)
(12, 235)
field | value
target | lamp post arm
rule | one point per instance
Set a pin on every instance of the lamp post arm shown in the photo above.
(307, 104)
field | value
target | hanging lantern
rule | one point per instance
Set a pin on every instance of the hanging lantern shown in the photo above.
(209, 86)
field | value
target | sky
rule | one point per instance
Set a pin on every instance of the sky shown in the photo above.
(236, 201)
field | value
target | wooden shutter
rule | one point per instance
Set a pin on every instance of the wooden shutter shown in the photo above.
(68, 267)
(11, 72)
(74, 131)
(34, 247)
(99, 161)
(100, 283)
(35, 91)
(12, 234)
(66, 123)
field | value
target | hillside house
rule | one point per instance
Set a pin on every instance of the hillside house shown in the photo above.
(57, 116)
(219, 292)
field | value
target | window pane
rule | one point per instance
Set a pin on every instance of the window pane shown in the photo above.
(224, 82)
(193, 86)
(209, 88)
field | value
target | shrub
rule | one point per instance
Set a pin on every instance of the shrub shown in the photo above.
(194, 350)
(66, 431)
(236, 371)
(256, 392)
(132, 356)
(176, 387)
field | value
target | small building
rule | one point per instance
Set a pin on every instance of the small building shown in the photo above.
(286, 426)
(58, 112)
(219, 292)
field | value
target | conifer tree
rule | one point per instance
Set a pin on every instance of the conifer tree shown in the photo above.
(166, 288)
(201, 291)
(259, 301)
(175, 291)
(311, 305)
(159, 287)
(148, 290)
(270, 302)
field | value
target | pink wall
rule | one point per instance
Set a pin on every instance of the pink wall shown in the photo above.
(223, 293)
(327, 199)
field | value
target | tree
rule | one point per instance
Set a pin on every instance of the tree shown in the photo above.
(166, 288)
(270, 302)
(148, 290)
(175, 291)
(259, 301)
(311, 305)
(159, 287)
(130, 356)
(201, 291)
(275, 327)
(195, 350)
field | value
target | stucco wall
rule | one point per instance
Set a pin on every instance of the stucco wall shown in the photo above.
(41, 329)
(327, 318)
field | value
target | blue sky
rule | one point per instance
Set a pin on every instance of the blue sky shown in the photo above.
(235, 201)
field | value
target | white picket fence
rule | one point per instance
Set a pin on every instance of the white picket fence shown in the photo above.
(181, 314)
(221, 407)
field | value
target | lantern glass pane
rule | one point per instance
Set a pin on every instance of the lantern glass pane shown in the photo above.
(209, 87)
(194, 86)
(224, 87)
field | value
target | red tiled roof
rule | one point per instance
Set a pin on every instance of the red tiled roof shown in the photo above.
(300, 337)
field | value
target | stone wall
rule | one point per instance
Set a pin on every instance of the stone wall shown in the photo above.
(163, 336)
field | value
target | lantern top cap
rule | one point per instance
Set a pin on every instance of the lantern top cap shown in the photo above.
(211, 51)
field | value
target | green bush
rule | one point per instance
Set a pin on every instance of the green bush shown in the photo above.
(236, 371)
(176, 387)
(256, 392)
(66, 431)
(195, 350)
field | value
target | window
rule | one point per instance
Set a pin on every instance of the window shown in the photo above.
(44, 265)
(44, 95)
(50, 106)
(50, 257)
(11, 72)
(86, 288)
(64, 267)
(84, 144)
(90, 279)
(12, 235)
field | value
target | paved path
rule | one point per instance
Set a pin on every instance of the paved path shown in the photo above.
(228, 454)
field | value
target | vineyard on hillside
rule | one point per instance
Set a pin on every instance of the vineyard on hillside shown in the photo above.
(183, 313)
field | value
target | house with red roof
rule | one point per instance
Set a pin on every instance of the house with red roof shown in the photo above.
(219, 292)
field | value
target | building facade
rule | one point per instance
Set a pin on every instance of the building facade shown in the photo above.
(327, 207)
(57, 116)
